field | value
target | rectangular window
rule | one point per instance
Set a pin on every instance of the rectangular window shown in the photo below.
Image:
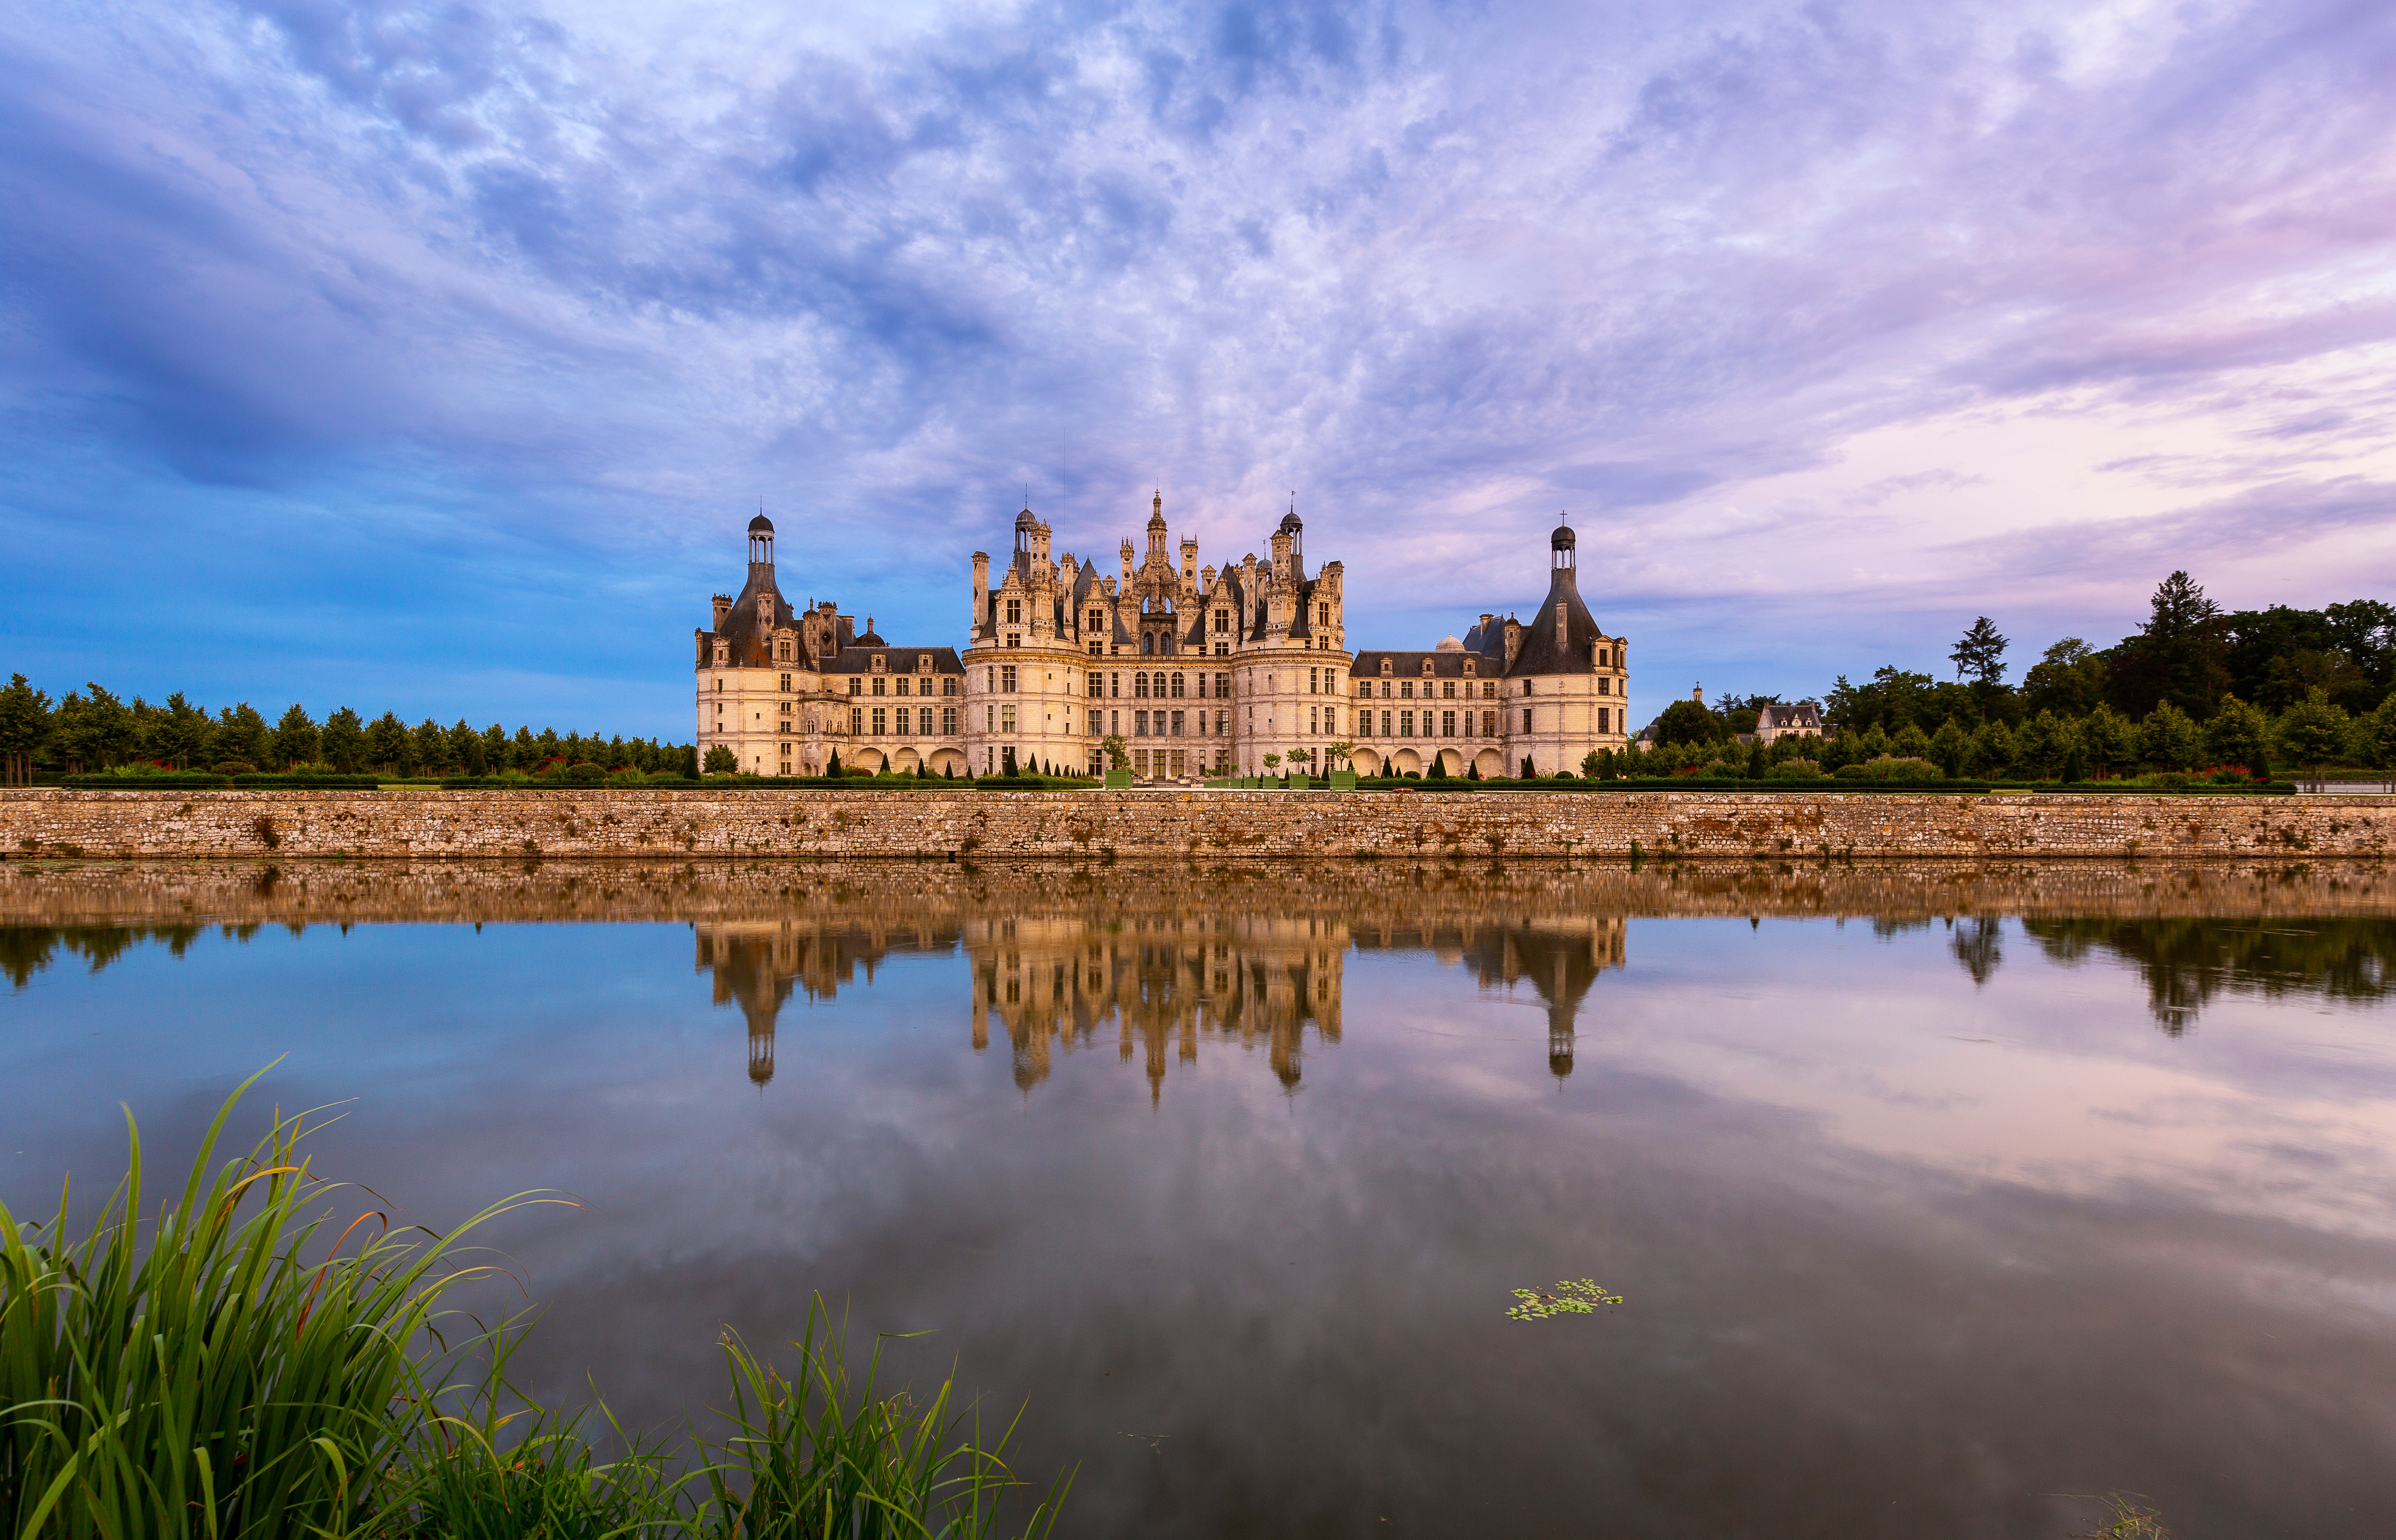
(878, 683)
(1140, 725)
(1222, 620)
(949, 721)
(1447, 689)
(1097, 686)
(856, 686)
(1014, 612)
(1314, 719)
(1365, 688)
(1222, 649)
(1015, 639)
(856, 720)
(1114, 685)
(1489, 690)
(1139, 763)
(948, 686)
(1448, 724)
(1179, 757)
(1177, 724)
(1097, 619)
(786, 682)
(1313, 681)
(1405, 689)
(1006, 680)
(1098, 649)
(990, 719)
(1094, 730)
(1139, 686)
(878, 729)
(1006, 719)
(1385, 724)
(1405, 725)
(1604, 720)
(1488, 725)
(1526, 718)
(1605, 686)
(1114, 723)
(903, 685)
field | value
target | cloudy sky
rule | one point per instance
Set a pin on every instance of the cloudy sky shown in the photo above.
(433, 355)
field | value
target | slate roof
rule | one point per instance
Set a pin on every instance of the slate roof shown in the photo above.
(1547, 651)
(896, 660)
(751, 645)
(1409, 665)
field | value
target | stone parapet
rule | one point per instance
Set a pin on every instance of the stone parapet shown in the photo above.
(1212, 825)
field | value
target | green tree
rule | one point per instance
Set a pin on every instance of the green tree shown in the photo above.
(296, 740)
(2037, 748)
(432, 746)
(1118, 752)
(2239, 735)
(24, 723)
(93, 732)
(2312, 731)
(387, 744)
(1949, 747)
(2371, 739)
(721, 760)
(2180, 655)
(1979, 655)
(344, 741)
(1992, 750)
(524, 751)
(2109, 740)
(241, 735)
(1910, 742)
(1686, 722)
(2168, 738)
(464, 748)
(184, 734)
(2068, 679)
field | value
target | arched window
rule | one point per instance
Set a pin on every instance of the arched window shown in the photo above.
(1148, 643)
(1177, 686)
(1139, 686)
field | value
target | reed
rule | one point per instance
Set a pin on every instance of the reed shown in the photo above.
(242, 1373)
(216, 1381)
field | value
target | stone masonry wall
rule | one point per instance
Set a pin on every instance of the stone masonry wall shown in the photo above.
(931, 902)
(1212, 825)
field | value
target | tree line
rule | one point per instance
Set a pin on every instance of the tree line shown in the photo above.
(2195, 686)
(92, 729)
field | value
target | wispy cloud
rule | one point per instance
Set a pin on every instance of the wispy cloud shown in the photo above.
(1845, 314)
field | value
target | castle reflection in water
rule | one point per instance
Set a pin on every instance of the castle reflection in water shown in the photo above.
(1152, 987)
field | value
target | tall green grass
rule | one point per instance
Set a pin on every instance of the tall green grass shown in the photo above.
(234, 1368)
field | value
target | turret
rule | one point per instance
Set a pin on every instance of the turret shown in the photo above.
(1156, 556)
(1189, 560)
(982, 591)
(1126, 561)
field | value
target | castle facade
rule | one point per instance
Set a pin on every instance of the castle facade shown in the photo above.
(1200, 670)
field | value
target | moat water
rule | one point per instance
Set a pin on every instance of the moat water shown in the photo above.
(1940, 1198)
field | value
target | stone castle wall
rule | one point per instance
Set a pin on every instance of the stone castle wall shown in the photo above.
(1213, 826)
(897, 903)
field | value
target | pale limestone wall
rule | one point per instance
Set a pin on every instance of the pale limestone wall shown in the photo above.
(1787, 826)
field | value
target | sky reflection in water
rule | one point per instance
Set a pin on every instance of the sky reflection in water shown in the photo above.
(1922, 1219)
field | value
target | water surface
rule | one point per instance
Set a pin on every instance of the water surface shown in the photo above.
(1934, 1192)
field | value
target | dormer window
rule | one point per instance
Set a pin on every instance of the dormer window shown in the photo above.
(1468, 667)
(922, 662)
(1426, 668)
(1386, 666)
(1014, 612)
(878, 662)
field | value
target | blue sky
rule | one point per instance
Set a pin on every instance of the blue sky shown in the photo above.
(433, 356)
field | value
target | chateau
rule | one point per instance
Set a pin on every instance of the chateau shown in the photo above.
(1200, 670)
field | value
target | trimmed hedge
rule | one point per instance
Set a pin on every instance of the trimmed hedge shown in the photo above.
(195, 781)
